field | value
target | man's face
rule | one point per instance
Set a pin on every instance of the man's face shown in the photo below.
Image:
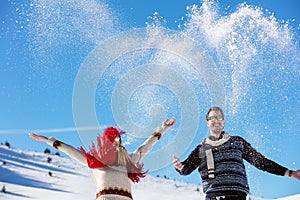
(216, 122)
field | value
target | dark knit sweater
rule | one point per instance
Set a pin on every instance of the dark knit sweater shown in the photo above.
(230, 173)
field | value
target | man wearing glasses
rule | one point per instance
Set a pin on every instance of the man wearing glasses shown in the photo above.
(219, 159)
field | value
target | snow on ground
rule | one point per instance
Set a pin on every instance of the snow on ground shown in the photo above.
(29, 175)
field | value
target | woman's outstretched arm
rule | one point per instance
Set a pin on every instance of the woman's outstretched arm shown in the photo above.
(146, 147)
(74, 153)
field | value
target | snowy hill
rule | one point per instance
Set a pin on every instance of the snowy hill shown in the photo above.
(34, 175)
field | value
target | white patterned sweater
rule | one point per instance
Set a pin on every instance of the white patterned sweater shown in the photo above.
(111, 177)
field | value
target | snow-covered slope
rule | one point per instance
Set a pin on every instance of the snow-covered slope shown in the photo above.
(29, 175)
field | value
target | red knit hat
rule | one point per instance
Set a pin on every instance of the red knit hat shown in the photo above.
(111, 133)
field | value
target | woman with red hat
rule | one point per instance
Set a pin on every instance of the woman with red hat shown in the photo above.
(112, 166)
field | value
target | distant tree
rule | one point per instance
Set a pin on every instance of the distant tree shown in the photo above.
(4, 162)
(7, 144)
(3, 189)
(47, 151)
(50, 173)
(49, 159)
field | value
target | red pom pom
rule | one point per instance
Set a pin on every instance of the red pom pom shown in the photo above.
(111, 133)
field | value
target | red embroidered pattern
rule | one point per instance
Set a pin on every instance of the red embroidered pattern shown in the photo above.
(115, 191)
(57, 144)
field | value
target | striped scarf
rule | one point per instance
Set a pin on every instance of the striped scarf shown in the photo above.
(209, 143)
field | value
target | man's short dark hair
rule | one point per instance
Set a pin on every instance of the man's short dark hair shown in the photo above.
(215, 108)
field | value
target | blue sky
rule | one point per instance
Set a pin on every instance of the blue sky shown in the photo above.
(43, 50)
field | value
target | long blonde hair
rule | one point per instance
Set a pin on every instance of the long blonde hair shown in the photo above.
(122, 155)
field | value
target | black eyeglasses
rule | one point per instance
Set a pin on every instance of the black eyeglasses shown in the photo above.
(214, 118)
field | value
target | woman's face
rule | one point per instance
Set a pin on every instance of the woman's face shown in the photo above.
(117, 141)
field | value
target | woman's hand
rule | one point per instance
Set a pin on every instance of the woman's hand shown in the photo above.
(168, 123)
(38, 137)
